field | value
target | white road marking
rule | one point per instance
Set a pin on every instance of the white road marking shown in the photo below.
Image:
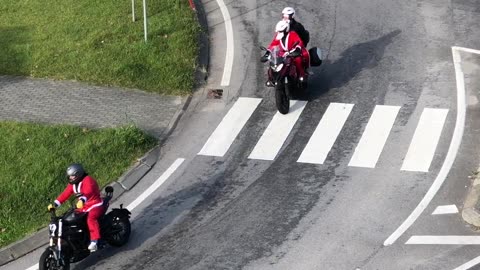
(374, 137)
(424, 143)
(277, 132)
(157, 183)
(443, 240)
(449, 159)
(232, 123)
(326, 133)
(466, 50)
(445, 209)
(35, 267)
(227, 69)
(469, 264)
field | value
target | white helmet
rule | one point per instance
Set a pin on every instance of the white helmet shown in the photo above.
(282, 26)
(288, 11)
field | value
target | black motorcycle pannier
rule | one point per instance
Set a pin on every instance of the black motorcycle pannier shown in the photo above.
(315, 57)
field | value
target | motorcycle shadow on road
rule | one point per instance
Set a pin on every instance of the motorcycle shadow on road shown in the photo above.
(159, 215)
(335, 74)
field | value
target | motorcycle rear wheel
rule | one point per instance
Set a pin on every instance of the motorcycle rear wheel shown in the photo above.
(47, 262)
(119, 232)
(281, 98)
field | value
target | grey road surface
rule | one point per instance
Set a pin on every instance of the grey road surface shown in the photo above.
(282, 214)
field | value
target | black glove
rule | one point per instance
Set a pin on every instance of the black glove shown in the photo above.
(295, 53)
(264, 58)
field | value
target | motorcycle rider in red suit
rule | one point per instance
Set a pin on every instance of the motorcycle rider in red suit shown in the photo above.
(286, 39)
(87, 191)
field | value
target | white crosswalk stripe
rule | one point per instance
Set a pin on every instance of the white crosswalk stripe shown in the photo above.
(367, 152)
(425, 140)
(374, 137)
(326, 133)
(231, 125)
(277, 132)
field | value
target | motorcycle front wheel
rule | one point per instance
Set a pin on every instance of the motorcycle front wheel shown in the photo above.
(281, 98)
(48, 262)
(119, 232)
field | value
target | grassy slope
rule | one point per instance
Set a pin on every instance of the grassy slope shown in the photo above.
(33, 159)
(96, 41)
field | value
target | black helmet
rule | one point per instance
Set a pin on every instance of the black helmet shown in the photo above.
(75, 173)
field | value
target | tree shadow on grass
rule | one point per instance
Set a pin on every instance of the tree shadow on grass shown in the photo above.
(15, 50)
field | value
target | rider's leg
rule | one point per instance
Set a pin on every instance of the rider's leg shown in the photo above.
(300, 68)
(305, 58)
(269, 81)
(93, 226)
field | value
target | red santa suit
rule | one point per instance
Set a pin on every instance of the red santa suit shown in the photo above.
(286, 44)
(86, 190)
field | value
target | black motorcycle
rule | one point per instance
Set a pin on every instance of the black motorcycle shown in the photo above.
(69, 234)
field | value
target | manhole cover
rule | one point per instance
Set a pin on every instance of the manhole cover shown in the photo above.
(215, 93)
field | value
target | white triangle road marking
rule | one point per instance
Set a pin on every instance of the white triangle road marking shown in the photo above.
(445, 209)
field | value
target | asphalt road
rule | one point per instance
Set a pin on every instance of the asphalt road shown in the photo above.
(235, 212)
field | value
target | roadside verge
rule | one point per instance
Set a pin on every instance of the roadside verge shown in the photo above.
(144, 164)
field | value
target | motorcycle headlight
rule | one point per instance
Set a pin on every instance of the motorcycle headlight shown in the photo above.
(53, 229)
(277, 68)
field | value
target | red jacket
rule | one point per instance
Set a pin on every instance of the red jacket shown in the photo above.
(87, 190)
(291, 38)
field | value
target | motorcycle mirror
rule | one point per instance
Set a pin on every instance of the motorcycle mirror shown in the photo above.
(108, 189)
(263, 48)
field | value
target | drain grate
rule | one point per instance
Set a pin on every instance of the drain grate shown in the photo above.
(215, 93)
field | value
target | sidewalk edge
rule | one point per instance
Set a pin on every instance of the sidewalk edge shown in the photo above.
(470, 213)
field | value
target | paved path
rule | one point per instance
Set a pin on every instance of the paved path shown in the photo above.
(68, 102)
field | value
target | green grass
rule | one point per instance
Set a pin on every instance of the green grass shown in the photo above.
(33, 159)
(96, 41)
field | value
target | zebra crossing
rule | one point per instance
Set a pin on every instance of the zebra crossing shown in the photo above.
(374, 137)
(367, 152)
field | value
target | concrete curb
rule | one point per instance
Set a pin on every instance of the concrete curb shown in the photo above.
(143, 165)
(201, 73)
(470, 214)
